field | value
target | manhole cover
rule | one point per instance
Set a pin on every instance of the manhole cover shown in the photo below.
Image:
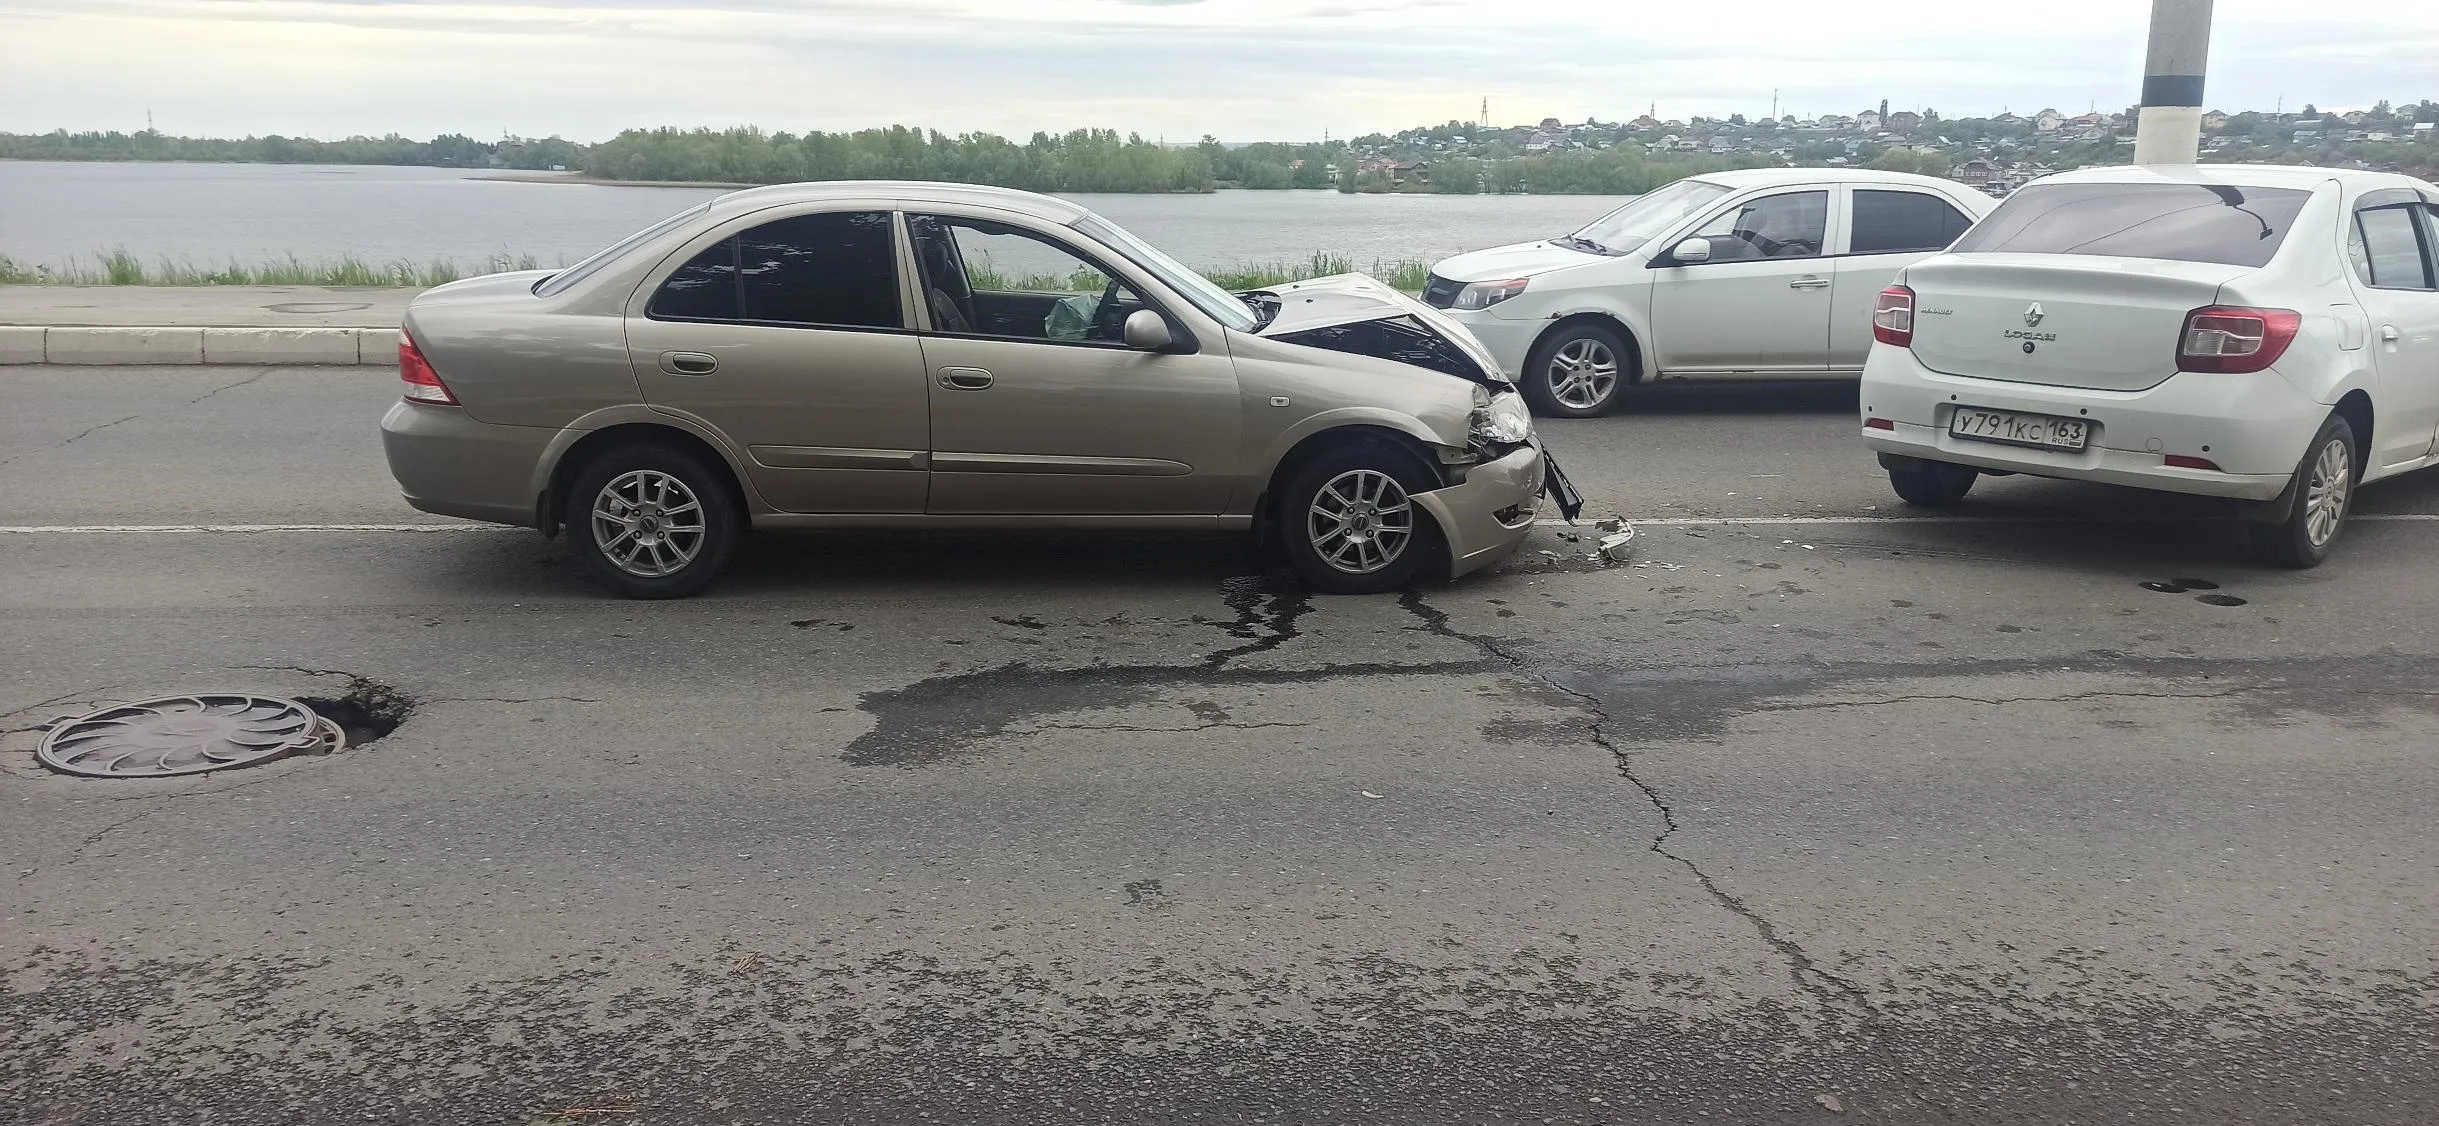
(319, 306)
(185, 735)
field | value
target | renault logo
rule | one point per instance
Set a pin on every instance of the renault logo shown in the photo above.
(2033, 316)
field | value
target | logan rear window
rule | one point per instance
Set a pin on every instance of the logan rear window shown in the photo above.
(2176, 222)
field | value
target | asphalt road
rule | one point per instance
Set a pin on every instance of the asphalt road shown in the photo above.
(1860, 817)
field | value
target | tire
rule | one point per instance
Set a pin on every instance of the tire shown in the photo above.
(1577, 371)
(2319, 498)
(1933, 484)
(619, 512)
(1388, 542)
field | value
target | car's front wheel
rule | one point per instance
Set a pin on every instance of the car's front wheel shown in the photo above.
(2318, 500)
(1351, 526)
(652, 521)
(1577, 371)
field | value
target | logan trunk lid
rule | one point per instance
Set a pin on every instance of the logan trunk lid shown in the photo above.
(2062, 320)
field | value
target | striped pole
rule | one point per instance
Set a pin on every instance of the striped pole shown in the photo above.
(2170, 129)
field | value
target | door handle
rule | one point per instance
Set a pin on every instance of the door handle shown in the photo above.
(2388, 334)
(689, 363)
(965, 379)
(1809, 283)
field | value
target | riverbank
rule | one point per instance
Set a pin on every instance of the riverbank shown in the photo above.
(597, 182)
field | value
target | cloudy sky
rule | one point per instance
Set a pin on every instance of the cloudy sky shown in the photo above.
(1241, 69)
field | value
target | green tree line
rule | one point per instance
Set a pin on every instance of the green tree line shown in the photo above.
(1086, 160)
(449, 150)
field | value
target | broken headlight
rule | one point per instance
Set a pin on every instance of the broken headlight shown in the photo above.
(1483, 295)
(1500, 420)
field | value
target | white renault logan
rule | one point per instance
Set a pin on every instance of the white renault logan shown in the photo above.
(1764, 273)
(2267, 334)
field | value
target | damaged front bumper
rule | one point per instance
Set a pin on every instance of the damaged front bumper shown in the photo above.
(1492, 510)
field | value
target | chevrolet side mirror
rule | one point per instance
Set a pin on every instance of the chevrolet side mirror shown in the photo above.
(1691, 252)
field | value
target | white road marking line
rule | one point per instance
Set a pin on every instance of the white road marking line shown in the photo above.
(1808, 521)
(1652, 522)
(240, 529)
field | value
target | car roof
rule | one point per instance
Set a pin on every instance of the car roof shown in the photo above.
(2234, 175)
(1743, 178)
(905, 191)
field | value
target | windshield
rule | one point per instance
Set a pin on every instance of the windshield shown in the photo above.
(560, 281)
(1639, 222)
(1211, 299)
(2175, 222)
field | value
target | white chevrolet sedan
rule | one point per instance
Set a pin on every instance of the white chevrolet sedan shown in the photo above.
(2267, 334)
(1766, 273)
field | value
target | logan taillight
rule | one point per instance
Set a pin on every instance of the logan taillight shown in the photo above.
(1893, 317)
(423, 385)
(2228, 340)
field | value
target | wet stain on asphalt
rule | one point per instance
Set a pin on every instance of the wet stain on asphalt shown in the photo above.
(946, 717)
(2220, 599)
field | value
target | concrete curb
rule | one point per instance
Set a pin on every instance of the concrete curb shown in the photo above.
(130, 345)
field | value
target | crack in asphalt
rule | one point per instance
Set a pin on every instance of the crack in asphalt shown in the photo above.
(71, 438)
(231, 387)
(1833, 990)
(1266, 618)
(942, 717)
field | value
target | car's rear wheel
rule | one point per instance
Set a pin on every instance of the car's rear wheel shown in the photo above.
(1350, 524)
(652, 521)
(1933, 484)
(1577, 371)
(2318, 501)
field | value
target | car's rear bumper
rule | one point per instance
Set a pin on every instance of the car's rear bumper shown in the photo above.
(451, 465)
(1490, 512)
(2254, 427)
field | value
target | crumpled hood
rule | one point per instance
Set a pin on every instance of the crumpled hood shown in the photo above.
(1500, 263)
(1344, 299)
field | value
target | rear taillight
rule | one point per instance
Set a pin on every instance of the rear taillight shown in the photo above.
(423, 385)
(2227, 340)
(1879, 424)
(1893, 317)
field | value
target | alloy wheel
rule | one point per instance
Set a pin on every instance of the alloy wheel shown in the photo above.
(2328, 490)
(1582, 373)
(648, 523)
(1361, 521)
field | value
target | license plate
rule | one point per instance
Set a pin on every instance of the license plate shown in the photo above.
(2009, 428)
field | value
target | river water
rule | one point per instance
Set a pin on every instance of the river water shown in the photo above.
(211, 213)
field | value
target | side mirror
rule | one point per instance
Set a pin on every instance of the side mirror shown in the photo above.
(1692, 251)
(1147, 331)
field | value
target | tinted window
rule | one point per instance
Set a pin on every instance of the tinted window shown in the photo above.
(838, 269)
(2386, 249)
(704, 289)
(2176, 222)
(1787, 225)
(1402, 339)
(1888, 222)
